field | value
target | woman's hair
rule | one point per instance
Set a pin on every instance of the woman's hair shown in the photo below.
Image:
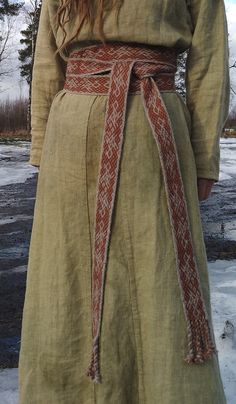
(89, 12)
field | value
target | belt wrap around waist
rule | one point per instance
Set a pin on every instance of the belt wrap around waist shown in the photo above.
(117, 69)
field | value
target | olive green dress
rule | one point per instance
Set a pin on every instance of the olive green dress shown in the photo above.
(143, 336)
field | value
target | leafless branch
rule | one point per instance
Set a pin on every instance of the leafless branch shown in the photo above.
(28, 11)
(7, 33)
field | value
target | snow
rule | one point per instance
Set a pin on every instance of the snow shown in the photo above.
(12, 172)
(227, 159)
(19, 172)
(15, 218)
(231, 231)
(223, 302)
(8, 386)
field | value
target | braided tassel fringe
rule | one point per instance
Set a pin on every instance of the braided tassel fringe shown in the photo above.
(93, 370)
(200, 345)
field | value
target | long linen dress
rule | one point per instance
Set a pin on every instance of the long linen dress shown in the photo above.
(143, 339)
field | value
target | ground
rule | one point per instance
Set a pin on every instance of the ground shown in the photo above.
(18, 182)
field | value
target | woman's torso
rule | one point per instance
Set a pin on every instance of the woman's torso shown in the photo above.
(155, 22)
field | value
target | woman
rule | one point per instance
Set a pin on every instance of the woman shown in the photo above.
(117, 307)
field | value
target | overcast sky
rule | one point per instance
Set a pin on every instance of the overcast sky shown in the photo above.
(15, 86)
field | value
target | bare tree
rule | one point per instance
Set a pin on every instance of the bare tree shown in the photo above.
(8, 13)
(13, 115)
(7, 34)
(26, 54)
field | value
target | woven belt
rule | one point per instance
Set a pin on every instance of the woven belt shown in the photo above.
(115, 70)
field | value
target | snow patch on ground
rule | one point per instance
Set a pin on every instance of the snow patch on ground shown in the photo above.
(12, 172)
(227, 160)
(8, 386)
(13, 219)
(16, 173)
(222, 275)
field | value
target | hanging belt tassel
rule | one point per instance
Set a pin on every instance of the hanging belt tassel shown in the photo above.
(93, 371)
(200, 346)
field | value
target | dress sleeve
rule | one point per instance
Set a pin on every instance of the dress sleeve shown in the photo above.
(207, 83)
(47, 79)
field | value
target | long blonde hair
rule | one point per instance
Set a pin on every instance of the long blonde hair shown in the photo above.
(89, 12)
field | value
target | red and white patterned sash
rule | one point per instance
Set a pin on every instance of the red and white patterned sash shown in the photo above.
(117, 69)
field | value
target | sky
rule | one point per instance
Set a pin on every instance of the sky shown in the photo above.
(14, 86)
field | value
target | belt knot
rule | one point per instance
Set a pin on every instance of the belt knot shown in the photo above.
(89, 69)
(142, 70)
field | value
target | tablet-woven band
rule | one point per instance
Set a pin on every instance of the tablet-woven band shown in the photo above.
(117, 70)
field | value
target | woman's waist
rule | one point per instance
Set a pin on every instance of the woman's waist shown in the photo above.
(89, 69)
